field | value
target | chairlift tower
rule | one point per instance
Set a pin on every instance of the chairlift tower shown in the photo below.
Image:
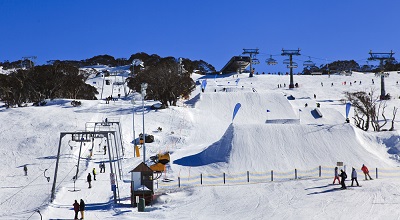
(252, 54)
(291, 64)
(382, 57)
(31, 60)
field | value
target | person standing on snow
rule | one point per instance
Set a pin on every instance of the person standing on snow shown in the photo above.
(102, 167)
(94, 173)
(336, 176)
(366, 172)
(343, 177)
(82, 208)
(89, 180)
(76, 209)
(354, 177)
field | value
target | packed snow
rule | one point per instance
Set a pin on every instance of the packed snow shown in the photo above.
(273, 130)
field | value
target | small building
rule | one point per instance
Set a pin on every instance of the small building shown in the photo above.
(142, 184)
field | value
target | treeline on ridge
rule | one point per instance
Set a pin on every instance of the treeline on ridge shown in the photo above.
(168, 79)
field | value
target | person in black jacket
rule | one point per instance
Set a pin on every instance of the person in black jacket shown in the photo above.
(343, 177)
(82, 208)
(89, 180)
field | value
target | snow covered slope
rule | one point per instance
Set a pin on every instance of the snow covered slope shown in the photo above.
(201, 137)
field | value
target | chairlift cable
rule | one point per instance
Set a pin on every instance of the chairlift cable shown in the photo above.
(65, 177)
(21, 189)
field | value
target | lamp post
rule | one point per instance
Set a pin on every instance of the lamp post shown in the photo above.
(143, 91)
(133, 121)
(135, 62)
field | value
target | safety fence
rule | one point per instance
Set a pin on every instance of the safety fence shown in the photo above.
(248, 177)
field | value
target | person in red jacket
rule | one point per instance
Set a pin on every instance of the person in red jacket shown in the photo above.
(366, 172)
(336, 176)
(76, 209)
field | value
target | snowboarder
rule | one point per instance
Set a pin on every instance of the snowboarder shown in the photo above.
(343, 177)
(336, 176)
(354, 177)
(82, 208)
(366, 172)
(94, 174)
(26, 170)
(76, 209)
(89, 180)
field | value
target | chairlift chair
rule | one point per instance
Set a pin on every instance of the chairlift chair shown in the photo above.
(286, 61)
(294, 65)
(255, 61)
(271, 61)
(308, 62)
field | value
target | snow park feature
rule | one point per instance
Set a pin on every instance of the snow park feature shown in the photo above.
(272, 162)
(159, 164)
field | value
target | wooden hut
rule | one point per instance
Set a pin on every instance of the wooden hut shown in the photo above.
(142, 184)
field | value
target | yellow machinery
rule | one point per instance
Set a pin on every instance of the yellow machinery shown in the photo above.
(160, 160)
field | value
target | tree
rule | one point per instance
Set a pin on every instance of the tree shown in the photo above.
(368, 109)
(61, 80)
(165, 82)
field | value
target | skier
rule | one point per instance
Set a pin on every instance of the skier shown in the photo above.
(94, 174)
(354, 177)
(105, 149)
(366, 172)
(336, 176)
(76, 209)
(89, 180)
(82, 208)
(343, 177)
(26, 170)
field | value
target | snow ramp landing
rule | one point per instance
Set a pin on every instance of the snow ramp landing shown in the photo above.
(253, 109)
(283, 147)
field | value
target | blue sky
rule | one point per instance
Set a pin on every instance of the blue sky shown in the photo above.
(211, 30)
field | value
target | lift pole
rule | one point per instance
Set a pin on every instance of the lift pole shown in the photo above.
(291, 53)
(252, 54)
(382, 57)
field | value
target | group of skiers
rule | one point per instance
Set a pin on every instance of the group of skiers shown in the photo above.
(343, 176)
(79, 207)
(94, 173)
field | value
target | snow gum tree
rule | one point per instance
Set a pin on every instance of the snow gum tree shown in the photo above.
(369, 111)
(166, 80)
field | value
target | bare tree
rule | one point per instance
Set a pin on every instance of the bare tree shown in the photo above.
(368, 109)
(394, 116)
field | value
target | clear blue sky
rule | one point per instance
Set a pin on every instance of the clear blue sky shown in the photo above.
(212, 30)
